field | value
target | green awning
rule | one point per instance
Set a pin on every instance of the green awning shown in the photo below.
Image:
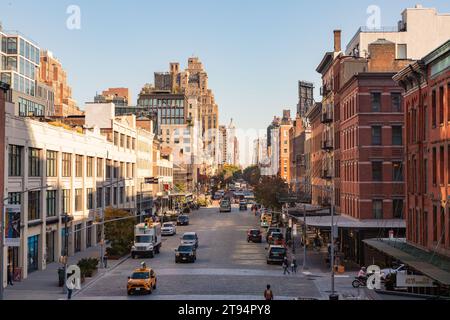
(432, 265)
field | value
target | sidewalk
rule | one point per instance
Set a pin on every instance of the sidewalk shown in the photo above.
(319, 272)
(43, 285)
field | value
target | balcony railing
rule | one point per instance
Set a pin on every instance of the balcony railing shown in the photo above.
(327, 117)
(326, 174)
(327, 145)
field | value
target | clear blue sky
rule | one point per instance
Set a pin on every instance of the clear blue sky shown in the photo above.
(254, 51)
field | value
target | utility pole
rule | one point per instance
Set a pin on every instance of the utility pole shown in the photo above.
(66, 250)
(333, 295)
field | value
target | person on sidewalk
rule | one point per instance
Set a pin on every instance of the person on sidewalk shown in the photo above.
(10, 275)
(286, 267)
(294, 266)
(268, 294)
(70, 286)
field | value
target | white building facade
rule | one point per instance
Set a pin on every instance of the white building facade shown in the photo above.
(55, 171)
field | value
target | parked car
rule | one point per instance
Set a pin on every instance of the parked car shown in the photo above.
(254, 235)
(276, 254)
(225, 206)
(185, 253)
(190, 238)
(143, 280)
(388, 271)
(168, 229)
(243, 206)
(183, 220)
(270, 230)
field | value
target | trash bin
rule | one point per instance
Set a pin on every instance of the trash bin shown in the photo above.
(334, 297)
(61, 276)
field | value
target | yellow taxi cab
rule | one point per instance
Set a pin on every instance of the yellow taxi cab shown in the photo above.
(143, 280)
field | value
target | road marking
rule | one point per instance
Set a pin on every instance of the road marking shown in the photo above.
(217, 272)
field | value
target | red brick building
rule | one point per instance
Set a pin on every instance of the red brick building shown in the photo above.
(427, 113)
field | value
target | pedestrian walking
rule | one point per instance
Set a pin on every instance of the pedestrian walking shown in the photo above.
(294, 266)
(70, 286)
(268, 294)
(10, 275)
(286, 267)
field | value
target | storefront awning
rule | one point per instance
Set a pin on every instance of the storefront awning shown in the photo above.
(347, 222)
(431, 265)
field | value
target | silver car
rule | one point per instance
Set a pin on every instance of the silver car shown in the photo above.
(190, 238)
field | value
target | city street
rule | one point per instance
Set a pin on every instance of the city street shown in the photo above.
(227, 266)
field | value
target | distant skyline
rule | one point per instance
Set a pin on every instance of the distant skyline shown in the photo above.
(254, 51)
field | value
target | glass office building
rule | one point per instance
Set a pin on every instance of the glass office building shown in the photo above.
(20, 61)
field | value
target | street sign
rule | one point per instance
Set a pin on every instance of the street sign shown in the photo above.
(151, 180)
(413, 281)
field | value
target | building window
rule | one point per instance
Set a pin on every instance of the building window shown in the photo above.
(122, 192)
(122, 140)
(15, 198)
(66, 201)
(90, 198)
(108, 169)
(441, 105)
(34, 162)
(78, 199)
(397, 172)
(78, 166)
(51, 161)
(435, 237)
(375, 99)
(448, 164)
(442, 224)
(116, 169)
(77, 238)
(15, 161)
(448, 109)
(34, 205)
(89, 167)
(433, 107)
(377, 171)
(377, 209)
(442, 165)
(122, 170)
(51, 203)
(107, 197)
(397, 135)
(99, 197)
(116, 138)
(66, 164)
(99, 167)
(434, 167)
(402, 51)
(425, 176)
(89, 234)
(376, 135)
(396, 102)
(115, 196)
(397, 210)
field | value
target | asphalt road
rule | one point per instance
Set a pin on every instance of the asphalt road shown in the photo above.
(227, 267)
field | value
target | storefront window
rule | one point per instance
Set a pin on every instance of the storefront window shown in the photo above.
(33, 253)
